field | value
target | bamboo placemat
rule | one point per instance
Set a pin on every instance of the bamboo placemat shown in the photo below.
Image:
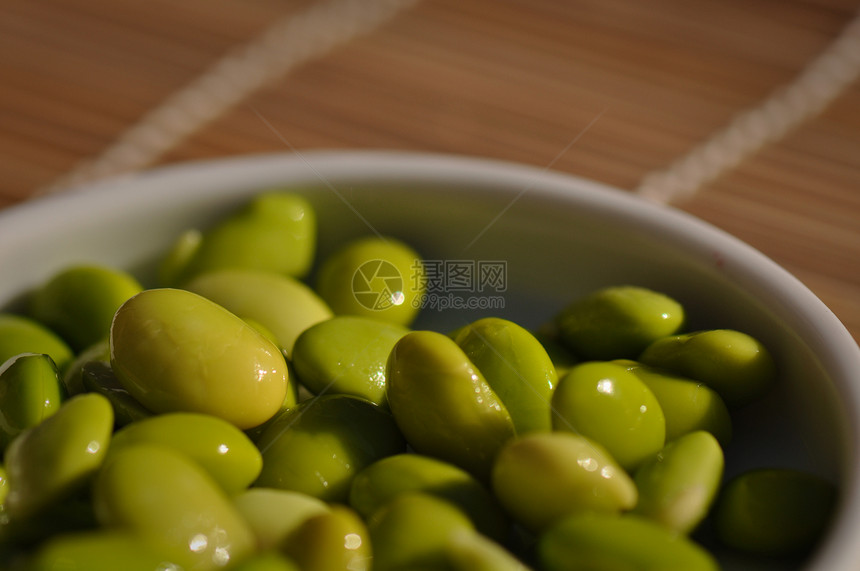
(614, 90)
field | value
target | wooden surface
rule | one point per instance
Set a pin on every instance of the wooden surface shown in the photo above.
(629, 86)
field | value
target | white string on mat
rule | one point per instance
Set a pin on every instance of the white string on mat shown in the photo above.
(289, 42)
(822, 81)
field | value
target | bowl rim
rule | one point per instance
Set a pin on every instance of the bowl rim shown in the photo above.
(813, 321)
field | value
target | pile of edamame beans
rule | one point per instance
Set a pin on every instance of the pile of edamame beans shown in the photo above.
(239, 415)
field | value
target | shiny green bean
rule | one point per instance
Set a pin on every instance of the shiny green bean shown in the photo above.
(517, 368)
(610, 405)
(774, 511)
(733, 363)
(79, 302)
(273, 232)
(587, 541)
(541, 477)
(618, 322)
(432, 383)
(30, 392)
(319, 446)
(168, 350)
(56, 458)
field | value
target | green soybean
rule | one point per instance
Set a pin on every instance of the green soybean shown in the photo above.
(687, 405)
(174, 350)
(389, 477)
(275, 231)
(101, 550)
(19, 334)
(337, 540)
(617, 322)
(274, 514)
(413, 531)
(610, 405)
(142, 487)
(588, 541)
(432, 383)
(56, 458)
(677, 487)
(215, 444)
(544, 476)
(347, 354)
(30, 392)
(734, 364)
(774, 511)
(376, 277)
(281, 304)
(79, 302)
(319, 446)
(517, 368)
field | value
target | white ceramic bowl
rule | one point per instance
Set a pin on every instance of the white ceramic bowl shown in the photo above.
(558, 235)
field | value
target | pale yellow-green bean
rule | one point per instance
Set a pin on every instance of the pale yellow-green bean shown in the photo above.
(284, 306)
(542, 477)
(677, 487)
(170, 502)
(174, 350)
(337, 540)
(588, 541)
(273, 514)
(56, 458)
(413, 532)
